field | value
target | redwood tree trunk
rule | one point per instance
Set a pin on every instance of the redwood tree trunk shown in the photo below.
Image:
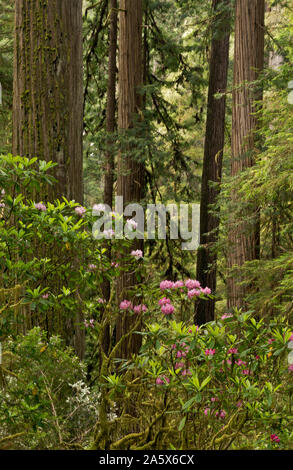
(213, 155)
(47, 96)
(248, 63)
(48, 103)
(130, 171)
(110, 128)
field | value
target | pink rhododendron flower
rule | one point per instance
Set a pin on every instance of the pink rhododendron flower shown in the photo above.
(206, 411)
(162, 380)
(92, 267)
(226, 315)
(233, 351)
(220, 414)
(213, 399)
(179, 365)
(210, 352)
(271, 340)
(140, 308)
(246, 372)
(206, 291)
(240, 363)
(45, 296)
(89, 324)
(166, 284)
(137, 254)
(80, 211)
(40, 206)
(164, 301)
(192, 284)
(178, 284)
(109, 233)
(126, 305)
(193, 293)
(131, 224)
(186, 372)
(102, 301)
(115, 265)
(167, 309)
(99, 207)
(290, 368)
(275, 438)
(181, 354)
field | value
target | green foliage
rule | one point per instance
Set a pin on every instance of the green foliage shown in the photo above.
(225, 385)
(44, 400)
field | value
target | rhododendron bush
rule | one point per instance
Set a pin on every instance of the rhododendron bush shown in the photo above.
(227, 384)
(218, 386)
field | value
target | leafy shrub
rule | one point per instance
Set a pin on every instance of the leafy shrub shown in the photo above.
(223, 385)
(44, 400)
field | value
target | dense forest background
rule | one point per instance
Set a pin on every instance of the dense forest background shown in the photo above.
(124, 343)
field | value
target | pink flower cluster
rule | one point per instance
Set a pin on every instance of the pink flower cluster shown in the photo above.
(92, 267)
(138, 254)
(226, 315)
(233, 351)
(90, 323)
(210, 352)
(275, 438)
(166, 307)
(80, 211)
(40, 206)
(128, 305)
(163, 380)
(218, 414)
(193, 286)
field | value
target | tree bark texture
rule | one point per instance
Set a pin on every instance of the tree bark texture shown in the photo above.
(248, 63)
(130, 179)
(48, 95)
(213, 156)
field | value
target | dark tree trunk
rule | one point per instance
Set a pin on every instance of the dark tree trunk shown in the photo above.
(47, 97)
(244, 237)
(48, 101)
(130, 172)
(110, 128)
(213, 154)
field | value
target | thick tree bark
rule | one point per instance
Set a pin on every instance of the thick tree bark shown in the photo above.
(110, 128)
(130, 171)
(47, 98)
(213, 155)
(48, 104)
(248, 63)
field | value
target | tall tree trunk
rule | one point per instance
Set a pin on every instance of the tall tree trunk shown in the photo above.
(130, 171)
(248, 63)
(213, 155)
(110, 128)
(48, 97)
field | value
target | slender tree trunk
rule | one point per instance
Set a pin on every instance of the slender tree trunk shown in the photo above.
(48, 100)
(248, 63)
(110, 128)
(130, 171)
(213, 155)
